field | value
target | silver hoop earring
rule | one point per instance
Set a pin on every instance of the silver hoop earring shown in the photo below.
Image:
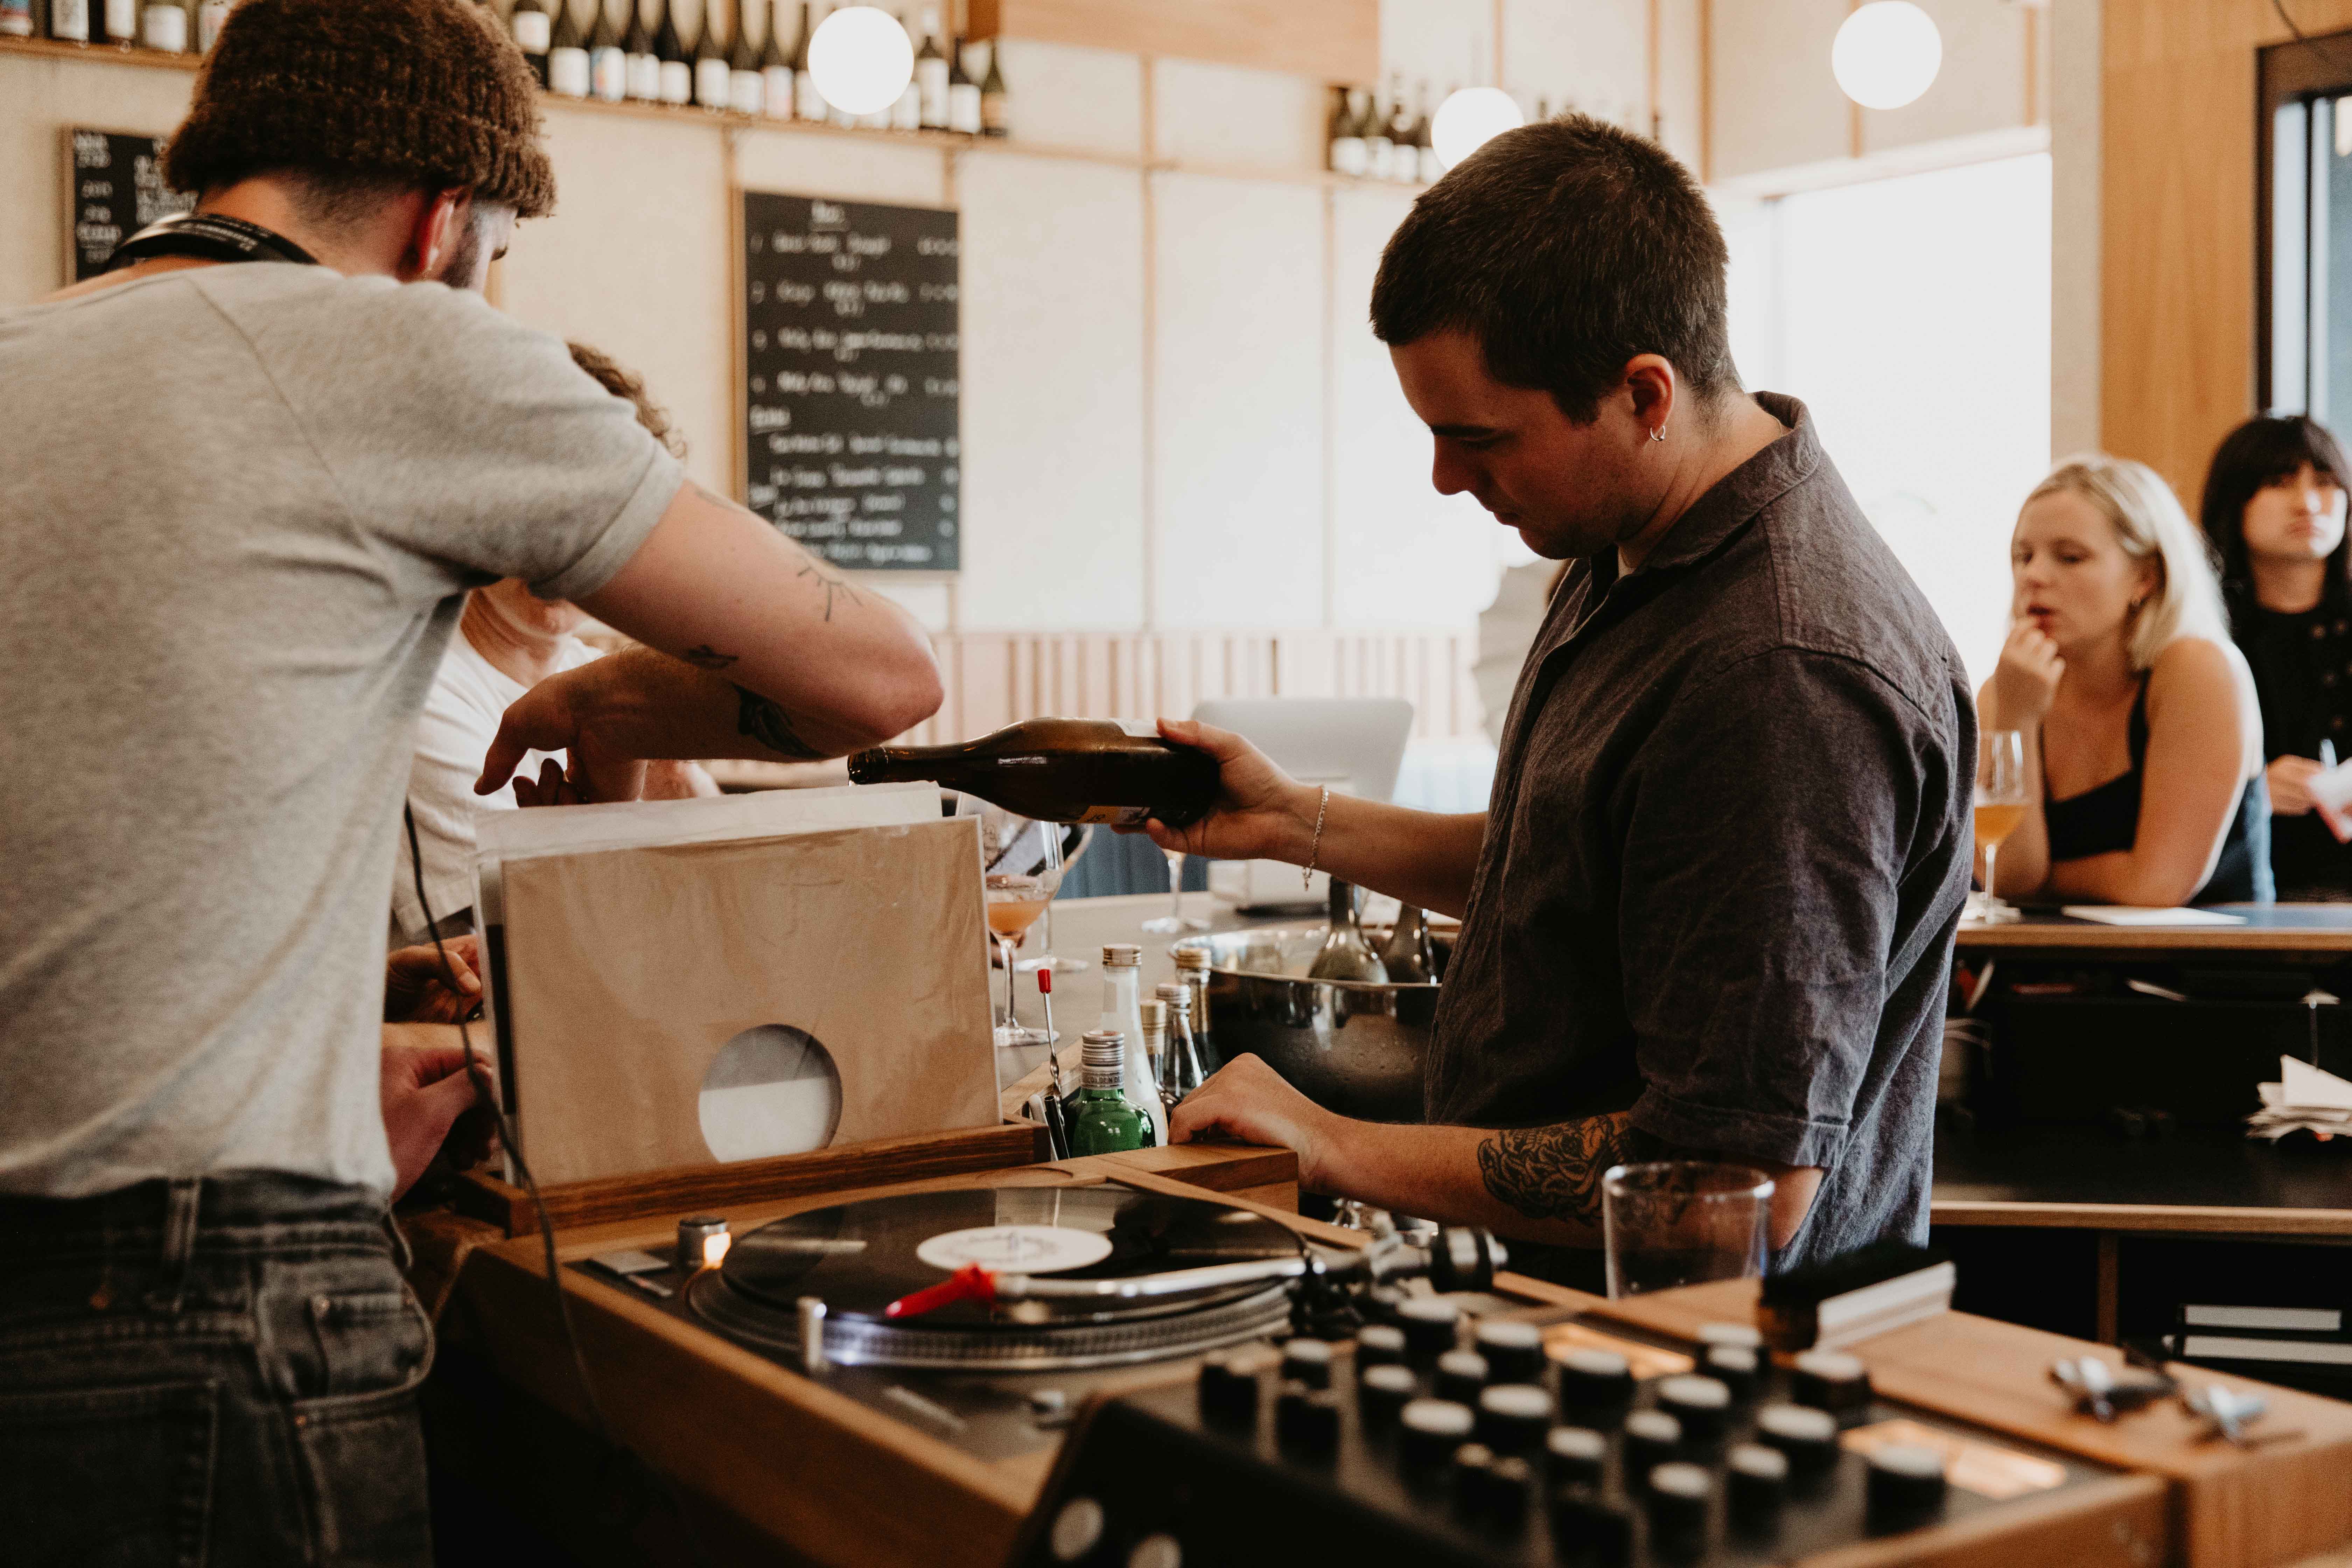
(1659, 433)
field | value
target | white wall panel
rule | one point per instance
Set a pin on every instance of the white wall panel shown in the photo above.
(1982, 84)
(856, 169)
(38, 100)
(1776, 103)
(1681, 83)
(1446, 42)
(1053, 394)
(1226, 115)
(1063, 95)
(1592, 56)
(1403, 555)
(1238, 400)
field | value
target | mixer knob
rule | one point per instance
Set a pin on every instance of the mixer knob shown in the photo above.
(1513, 1417)
(1906, 1486)
(1701, 1403)
(1831, 1380)
(1679, 1497)
(1651, 1439)
(1595, 1385)
(1490, 1487)
(1382, 1391)
(1307, 1419)
(1380, 1344)
(1735, 1367)
(1229, 1386)
(1156, 1552)
(1806, 1438)
(1429, 1430)
(1307, 1362)
(1428, 1323)
(1755, 1480)
(1514, 1352)
(1078, 1529)
(1735, 1336)
(1588, 1531)
(1577, 1456)
(1460, 1376)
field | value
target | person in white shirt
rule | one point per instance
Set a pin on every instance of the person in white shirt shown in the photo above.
(508, 640)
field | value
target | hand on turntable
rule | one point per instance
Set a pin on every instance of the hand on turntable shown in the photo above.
(1250, 1103)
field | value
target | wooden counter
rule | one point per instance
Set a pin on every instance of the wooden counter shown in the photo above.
(2323, 931)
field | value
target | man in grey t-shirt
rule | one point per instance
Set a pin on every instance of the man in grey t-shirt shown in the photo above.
(245, 503)
(1708, 911)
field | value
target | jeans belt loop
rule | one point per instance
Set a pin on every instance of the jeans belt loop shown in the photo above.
(179, 1243)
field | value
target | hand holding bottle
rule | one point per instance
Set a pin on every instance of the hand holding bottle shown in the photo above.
(1261, 811)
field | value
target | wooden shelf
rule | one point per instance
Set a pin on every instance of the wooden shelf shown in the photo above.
(947, 143)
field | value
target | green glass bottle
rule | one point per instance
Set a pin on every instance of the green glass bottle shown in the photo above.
(1100, 1119)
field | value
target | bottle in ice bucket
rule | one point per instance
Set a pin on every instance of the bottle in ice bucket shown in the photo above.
(1063, 770)
(1101, 1121)
(1179, 1069)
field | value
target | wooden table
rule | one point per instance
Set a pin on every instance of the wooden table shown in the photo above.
(2307, 930)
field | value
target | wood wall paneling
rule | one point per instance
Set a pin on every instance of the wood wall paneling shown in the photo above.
(1325, 40)
(2177, 218)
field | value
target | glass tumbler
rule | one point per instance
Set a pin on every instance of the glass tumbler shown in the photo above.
(1682, 1222)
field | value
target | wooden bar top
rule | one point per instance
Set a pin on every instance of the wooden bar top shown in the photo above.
(2268, 928)
(2200, 1181)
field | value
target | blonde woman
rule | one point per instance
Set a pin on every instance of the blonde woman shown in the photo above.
(2138, 714)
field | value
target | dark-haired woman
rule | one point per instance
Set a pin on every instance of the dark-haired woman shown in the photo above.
(2274, 507)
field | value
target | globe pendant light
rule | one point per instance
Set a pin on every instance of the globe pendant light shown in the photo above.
(861, 59)
(1887, 54)
(1469, 119)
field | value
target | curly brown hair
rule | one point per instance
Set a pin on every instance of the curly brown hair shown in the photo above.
(621, 381)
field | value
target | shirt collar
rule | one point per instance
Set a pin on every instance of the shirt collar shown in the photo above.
(1739, 495)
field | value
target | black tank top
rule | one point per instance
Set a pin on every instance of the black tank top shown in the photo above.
(2105, 819)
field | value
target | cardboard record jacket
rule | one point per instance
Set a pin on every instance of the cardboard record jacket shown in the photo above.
(859, 1258)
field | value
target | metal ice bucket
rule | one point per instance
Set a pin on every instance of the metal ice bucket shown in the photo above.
(1353, 1047)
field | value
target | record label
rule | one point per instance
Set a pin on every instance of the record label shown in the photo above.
(1015, 1249)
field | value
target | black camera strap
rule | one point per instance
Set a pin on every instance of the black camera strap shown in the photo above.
(210, 237)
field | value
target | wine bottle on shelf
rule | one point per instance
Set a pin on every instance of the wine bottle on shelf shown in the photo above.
(1099, 1118)
(1410, 955)
(834, 113)
(533, 30)
(932, 76)
(120, 19)
(747, 89)
(645, 66)
(1424, 145)
(1347, 955)
(807, 102)
(775, 69)
(677, 72)
(1379, 152)
(1404, 158)
(906, 113)
(1063, 770)
(16, 19)
(995, 97)
(608, 62)
(567, 54)
(1345, 145)
(963, 93)
(163, 26)
(70, 21)
(712, 82)
(210, 15)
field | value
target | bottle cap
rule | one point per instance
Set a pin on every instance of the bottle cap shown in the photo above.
(1155, 1018)
(1122, 955)
(1102, 1053)
(1176, 994)
(1191, 957)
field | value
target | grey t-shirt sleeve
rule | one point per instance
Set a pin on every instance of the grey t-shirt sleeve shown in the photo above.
(457, 436)
(1773, 809)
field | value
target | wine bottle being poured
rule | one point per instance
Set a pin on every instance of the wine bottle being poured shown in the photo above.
(1063, 770)
(1346, 954)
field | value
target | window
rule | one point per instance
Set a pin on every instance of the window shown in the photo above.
(2303, 296)
(1911, 316)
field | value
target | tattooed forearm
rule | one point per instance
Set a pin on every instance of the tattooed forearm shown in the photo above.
(705, 657)
(831, 582)
(771, 727)
(1554, 1173)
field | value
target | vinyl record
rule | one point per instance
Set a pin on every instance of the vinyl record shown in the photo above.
(859, 1258)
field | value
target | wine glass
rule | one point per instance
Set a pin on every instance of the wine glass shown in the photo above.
(1021, 868)
(1074, 840)
(2001, 799)
(1174, 922)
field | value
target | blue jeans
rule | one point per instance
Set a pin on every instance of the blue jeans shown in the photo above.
(220, 1371)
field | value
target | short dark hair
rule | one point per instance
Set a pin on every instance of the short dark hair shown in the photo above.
(1565, 248)
(2252, 458)
(624, 383)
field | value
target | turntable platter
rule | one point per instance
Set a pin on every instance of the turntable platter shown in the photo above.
(859, 1258)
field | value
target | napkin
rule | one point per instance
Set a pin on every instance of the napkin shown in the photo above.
(2305, 1099)
(2138, 915)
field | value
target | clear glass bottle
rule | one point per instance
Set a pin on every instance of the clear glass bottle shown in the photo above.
(776, 67)
(1410, 955)
(995, 97)
(1100, 1119)
(963, 93)
(1347, 955)
(931, 77)
(1192, 969)
(1181, 1072)
(1155, 1046)
(1123, 1013)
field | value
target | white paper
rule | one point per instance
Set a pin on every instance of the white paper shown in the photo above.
(2138, 915)
(2308, 1087)
(2331, 794)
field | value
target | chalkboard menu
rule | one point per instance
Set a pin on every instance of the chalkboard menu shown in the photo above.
(851, 365)
(114, 189)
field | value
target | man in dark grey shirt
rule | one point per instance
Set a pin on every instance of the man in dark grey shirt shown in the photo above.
(1708, 911)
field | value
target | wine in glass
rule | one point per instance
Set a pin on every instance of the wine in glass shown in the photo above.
(2001, 800)
(1021, 868)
